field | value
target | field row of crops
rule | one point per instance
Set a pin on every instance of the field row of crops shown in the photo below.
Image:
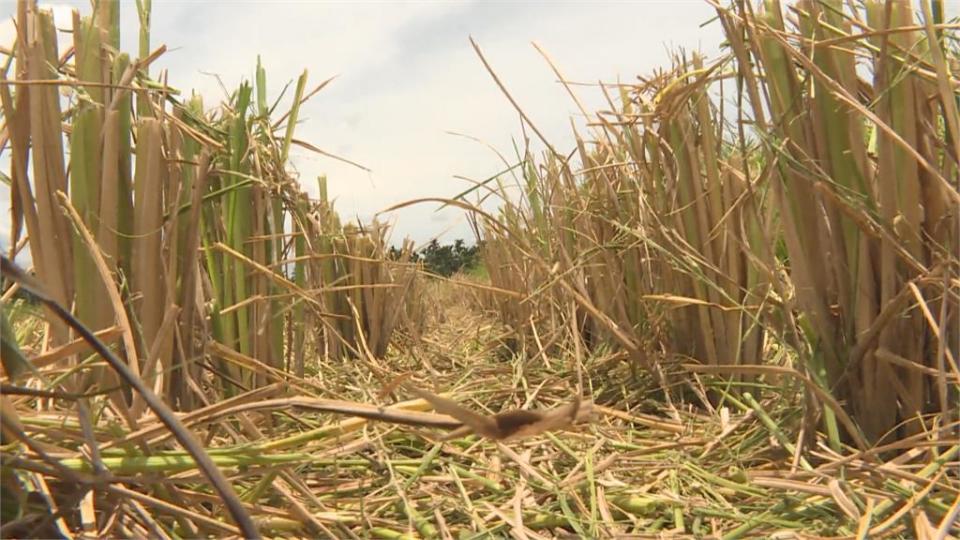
(747, 271)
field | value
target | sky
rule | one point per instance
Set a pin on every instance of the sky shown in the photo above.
(407, 79)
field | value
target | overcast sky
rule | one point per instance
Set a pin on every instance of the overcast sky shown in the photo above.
(407, 75)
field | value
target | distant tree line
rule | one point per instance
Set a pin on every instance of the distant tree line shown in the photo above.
(444, 259)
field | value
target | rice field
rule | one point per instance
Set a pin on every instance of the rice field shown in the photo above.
(732, 311)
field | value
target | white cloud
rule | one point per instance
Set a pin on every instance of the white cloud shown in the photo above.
(408, 74)
(8, 32)
(399, 132)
